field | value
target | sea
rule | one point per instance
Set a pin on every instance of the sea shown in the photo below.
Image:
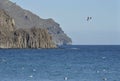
(66, 63)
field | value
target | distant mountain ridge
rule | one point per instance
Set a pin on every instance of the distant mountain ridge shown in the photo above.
(26, 19)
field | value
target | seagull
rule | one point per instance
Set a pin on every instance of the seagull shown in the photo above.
(89, 18)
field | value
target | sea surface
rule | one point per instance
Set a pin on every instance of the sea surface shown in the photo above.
(68, 63)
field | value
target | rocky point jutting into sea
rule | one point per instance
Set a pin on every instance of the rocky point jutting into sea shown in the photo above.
(11, 37)
(25, 20)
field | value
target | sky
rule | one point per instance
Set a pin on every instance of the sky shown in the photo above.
(102, 29)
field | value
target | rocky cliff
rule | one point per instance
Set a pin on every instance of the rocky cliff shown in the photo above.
(12, 37)
(26, 19)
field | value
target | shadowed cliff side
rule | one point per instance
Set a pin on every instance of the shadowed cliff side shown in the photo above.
(11, 37)
(33, 38)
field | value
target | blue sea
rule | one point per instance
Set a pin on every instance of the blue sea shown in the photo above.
(67, 63)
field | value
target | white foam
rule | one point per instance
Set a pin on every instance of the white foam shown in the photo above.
(31, 76)
(65, 78)
(74, 48)
(34, 69)
(103, 57)
(97, 71)
(105, 79)
(104, 70)
(23, 68)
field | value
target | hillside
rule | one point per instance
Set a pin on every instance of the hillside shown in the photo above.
(26, 19)
(12, 37)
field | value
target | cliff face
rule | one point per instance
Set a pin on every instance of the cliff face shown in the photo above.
(33, 38)
(6, 28)
(11, 37)
(26, 19)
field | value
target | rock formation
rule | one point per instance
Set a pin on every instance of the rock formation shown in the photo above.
(26, 19)
(11, 37)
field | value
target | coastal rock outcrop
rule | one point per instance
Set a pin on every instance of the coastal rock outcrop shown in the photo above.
(6, 29)
(26, 19)
(33, 38)
(13, 37)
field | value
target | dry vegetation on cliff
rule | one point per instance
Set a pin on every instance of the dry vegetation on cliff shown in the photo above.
(11, 37)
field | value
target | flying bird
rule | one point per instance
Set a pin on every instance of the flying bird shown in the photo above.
(89, 18)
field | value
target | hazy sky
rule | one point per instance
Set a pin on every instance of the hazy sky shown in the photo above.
(104, 28)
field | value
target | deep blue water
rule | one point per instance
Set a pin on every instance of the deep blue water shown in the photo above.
(69, 63)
